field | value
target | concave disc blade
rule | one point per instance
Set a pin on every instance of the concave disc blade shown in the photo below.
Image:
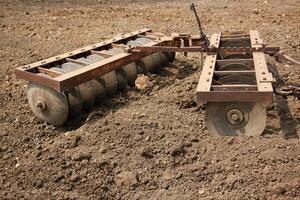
(235, 67)
(47, 104)
(73, 96)
(252, 122)
(238, 79)
(251, 115)
(86, 89)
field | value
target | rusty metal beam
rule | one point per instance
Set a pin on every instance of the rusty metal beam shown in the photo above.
(97, 69)
(206, 78)
(262, 92)
(235, 96)
(82, 75)
(49, 72)
(264, 78)
(61, 57)
(35, 78)
(232, 88)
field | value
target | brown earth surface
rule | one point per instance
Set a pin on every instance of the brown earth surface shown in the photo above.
(143, 145)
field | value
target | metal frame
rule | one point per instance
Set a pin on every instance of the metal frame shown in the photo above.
(209, 90)
(63, 82)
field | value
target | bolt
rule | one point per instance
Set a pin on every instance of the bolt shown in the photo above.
(235, 117)
(40, 105)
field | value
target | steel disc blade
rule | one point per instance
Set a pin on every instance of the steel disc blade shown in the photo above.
(99, 89)
(237, 79)
(235, 67)
(121, 79)
(127, 74)
(74, 98)
(98, 86)
(116, 50)
(252, 123)
(86, 90)
(146, 63)
(88, 95)
(171, 56)
(109, 80)
(94, 58)
(84, 61)
(47, 104)
(75, 102)
(151, 62)
(68, 67)
(159, 58)
(130, 69)
(165, 56)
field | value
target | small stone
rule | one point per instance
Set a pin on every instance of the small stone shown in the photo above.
(256, 11)
(103, 150)
(189, 88)
(84, 173)
(179, 176)
(39, 183)
(38, 153)
(75, 178)
(148, 138)
(188, 144)
(230, 141)
(280, 191)
(178, 150)
(141, 133)
(58, 177)
(75, 141)
(195, 140)
(169, 174)
(146, 153)
(126, 178)
(185, 104)
(82, 156)
(201, 192)
(143, 82)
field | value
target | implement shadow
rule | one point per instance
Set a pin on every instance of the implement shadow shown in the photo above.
(122, 99)
(288, 123)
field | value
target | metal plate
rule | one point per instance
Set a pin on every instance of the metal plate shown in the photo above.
(251, 119)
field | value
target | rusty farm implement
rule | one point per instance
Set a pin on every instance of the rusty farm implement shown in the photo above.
(235, 81)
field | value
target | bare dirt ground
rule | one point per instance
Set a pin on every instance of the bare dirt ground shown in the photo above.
(143, 145)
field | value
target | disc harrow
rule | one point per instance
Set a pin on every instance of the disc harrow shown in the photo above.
(237, 86)
(235, 82)
(63, 86)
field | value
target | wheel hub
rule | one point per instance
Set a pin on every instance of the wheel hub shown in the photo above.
(40, 104)
(235, 116)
